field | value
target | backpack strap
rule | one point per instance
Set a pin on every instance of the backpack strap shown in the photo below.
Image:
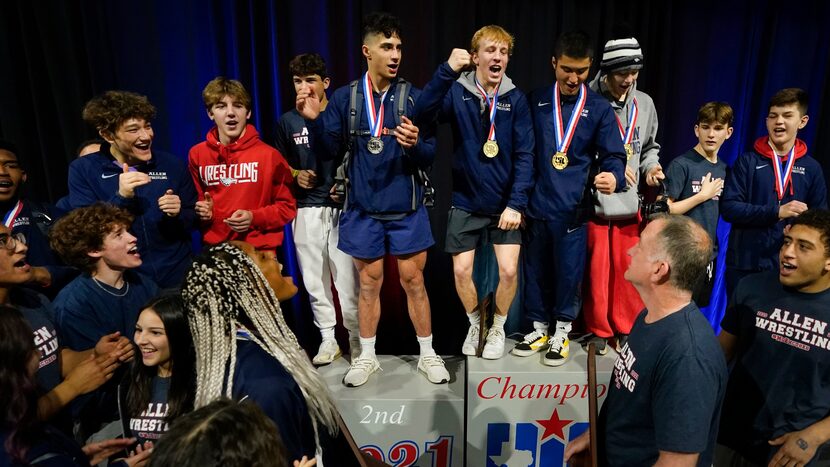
(341, 175)
(423, 178)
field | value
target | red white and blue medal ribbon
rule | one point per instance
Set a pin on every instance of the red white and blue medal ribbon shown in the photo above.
(375, 116)
(564, 137)
(627, 133)
(11, 216)
(783, 176)
(491, 104)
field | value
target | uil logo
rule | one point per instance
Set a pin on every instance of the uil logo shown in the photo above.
(540, 443)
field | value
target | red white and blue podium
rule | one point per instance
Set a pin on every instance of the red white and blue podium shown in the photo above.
(508, 412)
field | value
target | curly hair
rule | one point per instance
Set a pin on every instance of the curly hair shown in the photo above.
(223, 433)
(307, 65)
(224, 291)
(111, 109)
(170, 310)
(381, 23)
(18, 390)
(83, 231)
(220, 87)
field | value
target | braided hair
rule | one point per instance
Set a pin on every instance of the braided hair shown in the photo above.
(224, 291)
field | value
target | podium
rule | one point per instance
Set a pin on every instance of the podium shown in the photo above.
(511, 411)
(400, 417)
(521, 412)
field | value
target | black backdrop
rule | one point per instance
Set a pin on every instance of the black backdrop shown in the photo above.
(55, 55)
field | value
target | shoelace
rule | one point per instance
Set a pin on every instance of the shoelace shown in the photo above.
(432, 360)
(364, 364)
(495, 333)
(534, 336)
(556, 343)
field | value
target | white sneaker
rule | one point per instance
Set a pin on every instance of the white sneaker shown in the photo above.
(433, 367)
(494, 348)
(360, 370)
(328, 352)
(471, 342)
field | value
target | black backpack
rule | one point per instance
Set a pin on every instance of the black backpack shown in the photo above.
(341, 177)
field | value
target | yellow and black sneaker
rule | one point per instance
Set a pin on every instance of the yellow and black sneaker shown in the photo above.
(532, 343)
(559, 350)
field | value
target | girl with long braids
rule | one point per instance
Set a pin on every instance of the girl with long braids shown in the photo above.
(245, 350)
(159, 387)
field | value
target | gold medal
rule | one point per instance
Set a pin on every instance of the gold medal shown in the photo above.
(629, 151)
(491, 148)
(559, 161)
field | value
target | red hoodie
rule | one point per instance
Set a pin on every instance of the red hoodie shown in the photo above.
(762, 147)
(249, 175)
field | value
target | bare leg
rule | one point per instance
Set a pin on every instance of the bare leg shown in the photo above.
(370, 273)
(508, 258)
(462, 264)
(411, 270)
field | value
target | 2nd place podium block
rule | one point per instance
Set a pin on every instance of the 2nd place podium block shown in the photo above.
(518, 412)
(400, 417)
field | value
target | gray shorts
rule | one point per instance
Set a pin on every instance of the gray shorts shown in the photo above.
(467, 231)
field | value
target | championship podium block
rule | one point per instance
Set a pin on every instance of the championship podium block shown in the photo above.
(400, 417)
(521, 412)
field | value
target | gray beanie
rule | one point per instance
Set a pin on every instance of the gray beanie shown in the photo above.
(621, 54)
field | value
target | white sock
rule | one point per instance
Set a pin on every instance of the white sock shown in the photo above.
(540, 326)
(426, 345)
(563, 327)
(367, 347)
(327, 333)
(474, 317)
(499, 320)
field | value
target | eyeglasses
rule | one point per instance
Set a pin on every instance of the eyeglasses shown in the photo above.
(10, 242)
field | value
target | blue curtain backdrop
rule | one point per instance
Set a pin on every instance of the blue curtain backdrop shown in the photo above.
(54, 56)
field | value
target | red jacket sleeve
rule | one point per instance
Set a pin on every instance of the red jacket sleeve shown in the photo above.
(283, 206)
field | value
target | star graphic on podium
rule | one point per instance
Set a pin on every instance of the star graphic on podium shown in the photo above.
(554, 426)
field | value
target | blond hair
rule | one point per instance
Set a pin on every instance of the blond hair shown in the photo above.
(225, 291)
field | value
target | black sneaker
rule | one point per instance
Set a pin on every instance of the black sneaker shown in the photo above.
(532, 343)
(601, 344)
(559, 350)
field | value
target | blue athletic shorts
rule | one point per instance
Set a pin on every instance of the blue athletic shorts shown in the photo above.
(364, 237)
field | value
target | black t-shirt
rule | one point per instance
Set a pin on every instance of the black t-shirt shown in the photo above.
(781, 377)
(665, 391)
(152, 423)
(683, 180)
(293, 142)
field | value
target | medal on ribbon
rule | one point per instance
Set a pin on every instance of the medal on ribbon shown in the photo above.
(564, 135)
(783, 176)
(627, 133)
(491, 147)
(375, 116)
